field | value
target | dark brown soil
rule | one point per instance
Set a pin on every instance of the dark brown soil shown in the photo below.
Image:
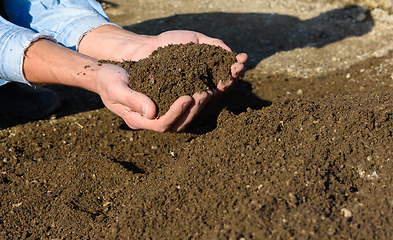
(278, 157)
(177, 70)
(304, 167)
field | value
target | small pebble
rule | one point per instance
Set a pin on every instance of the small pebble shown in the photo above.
(292, 197)
(331, 231)
(17, 204)
(361, 17)
(346, 213)
(299, 92)
(372, 176)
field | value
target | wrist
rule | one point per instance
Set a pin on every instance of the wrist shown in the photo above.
(112, 43)
(46, 62)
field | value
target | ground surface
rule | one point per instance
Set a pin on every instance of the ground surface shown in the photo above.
(301, 148)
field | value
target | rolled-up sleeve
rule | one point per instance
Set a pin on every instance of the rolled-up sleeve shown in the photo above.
(67, 21)
(14, 40)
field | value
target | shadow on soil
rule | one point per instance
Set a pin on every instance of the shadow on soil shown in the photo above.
(258, 35)
(262, 35)
(129, 166)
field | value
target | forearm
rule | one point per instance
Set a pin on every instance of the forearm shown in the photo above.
(48, 62)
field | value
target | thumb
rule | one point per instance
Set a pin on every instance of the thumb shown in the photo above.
(124, 100)
(112, 86)
(139, 102)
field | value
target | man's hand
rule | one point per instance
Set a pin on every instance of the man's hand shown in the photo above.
(137, 110)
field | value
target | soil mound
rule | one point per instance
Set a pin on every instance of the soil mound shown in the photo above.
(300, 168)
(177, 70)
(312, 168)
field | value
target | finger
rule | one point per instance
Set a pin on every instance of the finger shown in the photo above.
(135, 101)
(177, 111)
(223, 86)
(162, 124)
(112, 86)
(212, 41)
(241, 57)
(236, 69)
(200, 100)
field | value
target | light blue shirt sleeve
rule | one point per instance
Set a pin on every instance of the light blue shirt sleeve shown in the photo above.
(14, 40)
(66, 21)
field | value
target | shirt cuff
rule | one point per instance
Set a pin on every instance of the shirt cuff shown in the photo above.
(14, 41)
(73, 33)
(3, 82)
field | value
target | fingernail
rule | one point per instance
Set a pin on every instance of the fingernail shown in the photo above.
(145, 110)
(227, 83)
(186, 105)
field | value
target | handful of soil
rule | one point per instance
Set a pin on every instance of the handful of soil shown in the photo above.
(177, 70)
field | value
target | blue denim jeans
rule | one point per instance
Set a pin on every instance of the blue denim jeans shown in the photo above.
(63, 21)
